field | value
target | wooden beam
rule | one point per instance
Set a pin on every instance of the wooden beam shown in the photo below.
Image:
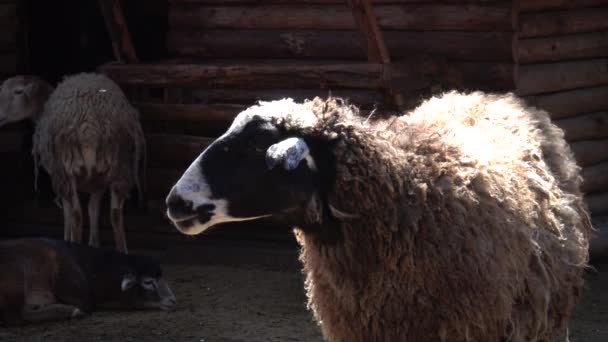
(573, 102)
(367, 23)
(322, 2)
(174, 151)
(552, 77)
(598, 203)
(417, 17)
(590, 152)
(208, 114)
(338, 44)
(561, 48)
(585, 127)
(118, 30)
(595, 178)
(540, 24)
(544, 5)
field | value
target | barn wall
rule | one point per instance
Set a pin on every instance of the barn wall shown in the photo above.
(563, 67)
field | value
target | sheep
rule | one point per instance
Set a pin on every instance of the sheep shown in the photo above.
(46, 279)
(461, 220)
(87, 137)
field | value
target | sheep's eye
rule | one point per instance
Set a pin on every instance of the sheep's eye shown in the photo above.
(225, 149)
(18, 91)
(149, 284)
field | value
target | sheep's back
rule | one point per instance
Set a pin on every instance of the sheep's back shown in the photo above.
(89, 131)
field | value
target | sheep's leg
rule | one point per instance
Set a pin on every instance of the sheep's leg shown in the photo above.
(76, 214)
(116, 216)
(94, 209)
(67, 219)
(51, 312)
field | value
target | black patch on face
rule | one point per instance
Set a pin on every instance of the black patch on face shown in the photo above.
(235, 170)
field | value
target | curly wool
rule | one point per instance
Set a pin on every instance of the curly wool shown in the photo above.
(89, 132)
(469, 225)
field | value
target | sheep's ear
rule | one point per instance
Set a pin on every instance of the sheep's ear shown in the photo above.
(128, 280)
(289, 152)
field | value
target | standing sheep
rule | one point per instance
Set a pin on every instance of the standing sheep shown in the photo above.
(460, 221)
(88, 138)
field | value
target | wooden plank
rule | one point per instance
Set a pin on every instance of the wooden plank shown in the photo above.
(552, 77)
(598, 244)
(543, 5)
(367, 24)
(585, 127)
(598, 203)
(590, 152)
(573, 102)
(174, 151)
(561, 48)
(353, 75)
(8, 38)
(267, 2)
(118, 30)
(216, 113)
(466, 46)
(431, 17)
(540, 24)
(595, 178)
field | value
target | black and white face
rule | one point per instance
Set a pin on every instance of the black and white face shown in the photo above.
(252, 171)
(146, 292)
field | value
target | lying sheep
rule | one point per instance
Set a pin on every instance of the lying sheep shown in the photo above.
(88, 138)
(460, 221)
(44, 279)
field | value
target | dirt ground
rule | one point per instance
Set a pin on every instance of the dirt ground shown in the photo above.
(252, 303)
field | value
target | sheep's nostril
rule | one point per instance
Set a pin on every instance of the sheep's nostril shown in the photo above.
(178, 207)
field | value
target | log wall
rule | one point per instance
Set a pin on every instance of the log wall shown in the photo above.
(562, 52)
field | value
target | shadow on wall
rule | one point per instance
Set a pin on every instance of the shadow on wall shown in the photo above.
(70, 36)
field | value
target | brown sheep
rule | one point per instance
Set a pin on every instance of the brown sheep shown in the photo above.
(44, 279)
(459, 221)
(88, 138)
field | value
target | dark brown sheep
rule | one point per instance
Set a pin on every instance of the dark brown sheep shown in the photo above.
(44, 279)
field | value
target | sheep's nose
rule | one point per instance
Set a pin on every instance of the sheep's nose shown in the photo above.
(178, 208)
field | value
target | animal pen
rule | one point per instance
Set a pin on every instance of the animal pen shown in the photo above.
(190, 66)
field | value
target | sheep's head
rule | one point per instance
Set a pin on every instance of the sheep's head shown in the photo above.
(258, 168)
(22, 97)
(142, 286)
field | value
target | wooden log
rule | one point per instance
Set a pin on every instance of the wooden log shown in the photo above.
(367, 23)
(598, 244)
(542, 24)
(8, 63)
(572, 102)
(590, 152)
(209, 114)
(174, 151)
(161, 180)
(585, 127)
(466, 46)
(431, 17)
(543, 5)
(597, 203)
(552, 77)
(248, 97)
(118, 30)
(561, 48)
(479, 75)
(266, 75)
(595, 178)
(324, 2)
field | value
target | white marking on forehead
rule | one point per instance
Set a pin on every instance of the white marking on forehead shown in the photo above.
(286, 108)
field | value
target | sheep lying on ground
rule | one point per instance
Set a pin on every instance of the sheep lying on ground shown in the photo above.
(88, 138)
(460, 221)
(44, 279)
